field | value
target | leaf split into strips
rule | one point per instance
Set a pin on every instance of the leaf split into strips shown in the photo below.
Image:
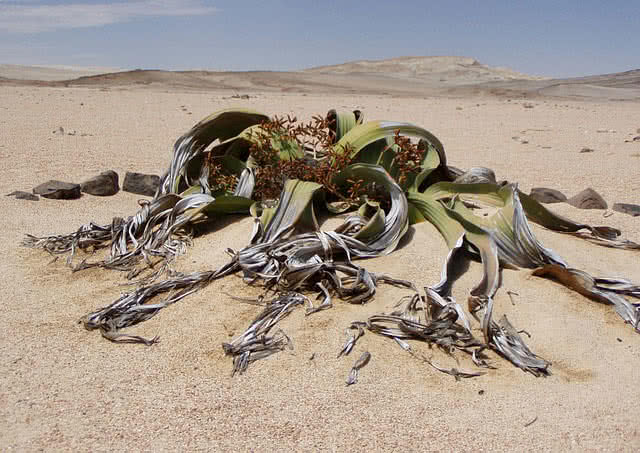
(381, 176)
(362, 361)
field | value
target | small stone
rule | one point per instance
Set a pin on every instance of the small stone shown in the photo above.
(58, 190)
(588, 199)
(587, 150)
(547, 196)
(627, 208)
(104, 184)
(619, 340)
(636, 138)
(140, 183)
(20, 195)
(481, 392)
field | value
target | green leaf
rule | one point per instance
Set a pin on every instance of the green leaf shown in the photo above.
(231, 164)
(225, 124)
(365, 134)
(221, 126)
(372, 153)
(342, 122)
(434, 212)
(294, 207)
(376, 223)
(488, 194)
(240, 145)
(228, 204)
(396, 220)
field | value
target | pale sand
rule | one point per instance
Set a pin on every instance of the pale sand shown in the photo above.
(66, 389)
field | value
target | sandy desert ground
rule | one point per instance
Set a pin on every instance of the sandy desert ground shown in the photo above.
(66, 389)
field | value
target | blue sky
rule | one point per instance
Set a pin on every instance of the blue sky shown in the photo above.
(552, 38)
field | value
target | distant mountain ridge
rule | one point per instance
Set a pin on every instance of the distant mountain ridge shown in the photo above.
(50, 73)
(403, 76)
(446, 67)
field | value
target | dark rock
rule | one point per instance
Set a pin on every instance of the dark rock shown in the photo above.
(627, 208)
(58, 190)
(587, 150)
(636, 138)
(588, 199)
(546, 195)
(140, 183)
(105, 184)
(477, 175)
(20, 195)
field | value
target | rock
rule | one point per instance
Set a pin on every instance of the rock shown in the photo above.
(636, 138)
(58, 190)
(587, 150)
(588, 199)
(20, 195)
(546, 195)
(105, 184)
(477, 175)
(140, 183)
(627, 208)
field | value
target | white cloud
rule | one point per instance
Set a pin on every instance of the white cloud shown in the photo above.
(36, 17)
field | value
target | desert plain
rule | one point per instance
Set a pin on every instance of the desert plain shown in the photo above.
(66, 389)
